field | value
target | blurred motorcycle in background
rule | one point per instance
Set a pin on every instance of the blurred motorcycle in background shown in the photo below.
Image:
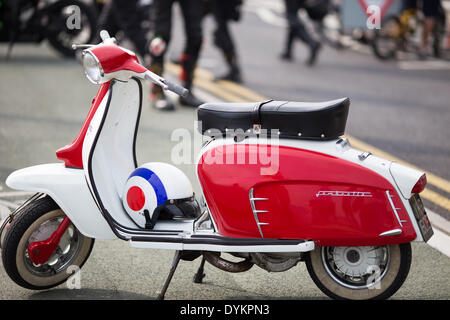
(404, 33)
(61, 22)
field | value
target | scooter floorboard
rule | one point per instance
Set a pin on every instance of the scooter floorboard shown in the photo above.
(222, 244)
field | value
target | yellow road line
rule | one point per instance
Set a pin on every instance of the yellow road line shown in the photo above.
(199, 72)
(241, 91)
(232, 92)
(216, 90)
(431, 178)
(204, 80)
(436, 198)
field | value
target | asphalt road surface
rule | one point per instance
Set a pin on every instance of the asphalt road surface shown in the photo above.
(44, 99)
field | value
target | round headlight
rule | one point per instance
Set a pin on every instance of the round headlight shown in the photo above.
(92, 67)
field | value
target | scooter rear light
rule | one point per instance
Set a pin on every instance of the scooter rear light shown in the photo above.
(420, 184)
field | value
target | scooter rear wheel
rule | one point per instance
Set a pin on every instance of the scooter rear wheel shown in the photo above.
(359, 273)
(36, 222)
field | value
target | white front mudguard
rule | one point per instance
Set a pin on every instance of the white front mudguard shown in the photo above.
(69, 189)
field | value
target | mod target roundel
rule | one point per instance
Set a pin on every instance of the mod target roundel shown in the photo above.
(143, 191)
(135, 198)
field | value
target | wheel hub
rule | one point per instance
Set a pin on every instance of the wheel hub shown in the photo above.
(357, 261)
(353, 256)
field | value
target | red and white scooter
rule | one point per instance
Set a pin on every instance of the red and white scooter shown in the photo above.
(348, 214)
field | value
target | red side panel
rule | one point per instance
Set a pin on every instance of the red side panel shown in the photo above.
(72, 153)
(312, 196)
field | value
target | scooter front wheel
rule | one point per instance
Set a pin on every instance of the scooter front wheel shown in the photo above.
(36, 222)
(359, 273)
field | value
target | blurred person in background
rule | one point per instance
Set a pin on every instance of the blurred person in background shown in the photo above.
(224, 12)
(297, 29)
(129, 16)
(432, 9)
(192, 11)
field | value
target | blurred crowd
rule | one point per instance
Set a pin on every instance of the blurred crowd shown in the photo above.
(153, 39)
(148, 24)
(129, 16)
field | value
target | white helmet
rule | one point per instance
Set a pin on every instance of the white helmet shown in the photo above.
(151, 186)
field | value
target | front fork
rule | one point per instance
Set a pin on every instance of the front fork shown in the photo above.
(40, 251)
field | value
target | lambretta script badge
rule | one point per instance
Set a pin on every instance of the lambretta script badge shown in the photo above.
(343, 194)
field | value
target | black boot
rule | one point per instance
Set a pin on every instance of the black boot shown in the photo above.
(302, 33)
(287, 53)
(313, 54)
(233, 75)
(286, 56)
(187, 76)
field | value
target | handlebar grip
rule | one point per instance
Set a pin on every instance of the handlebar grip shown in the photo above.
(180, 90)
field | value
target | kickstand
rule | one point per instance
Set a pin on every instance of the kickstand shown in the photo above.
(175, 261)
(198, 277)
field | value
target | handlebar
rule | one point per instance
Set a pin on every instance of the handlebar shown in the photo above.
(139, 69)
(104, 35)
(179, 90)
(166, 84)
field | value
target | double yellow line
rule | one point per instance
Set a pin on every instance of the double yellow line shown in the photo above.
(232, 92)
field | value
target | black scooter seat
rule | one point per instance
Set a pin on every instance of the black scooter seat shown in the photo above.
(300, 120)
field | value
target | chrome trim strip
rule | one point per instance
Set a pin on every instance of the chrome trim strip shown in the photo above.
(300, 247)
(255, 212)
(394, 208)
(392, 232)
